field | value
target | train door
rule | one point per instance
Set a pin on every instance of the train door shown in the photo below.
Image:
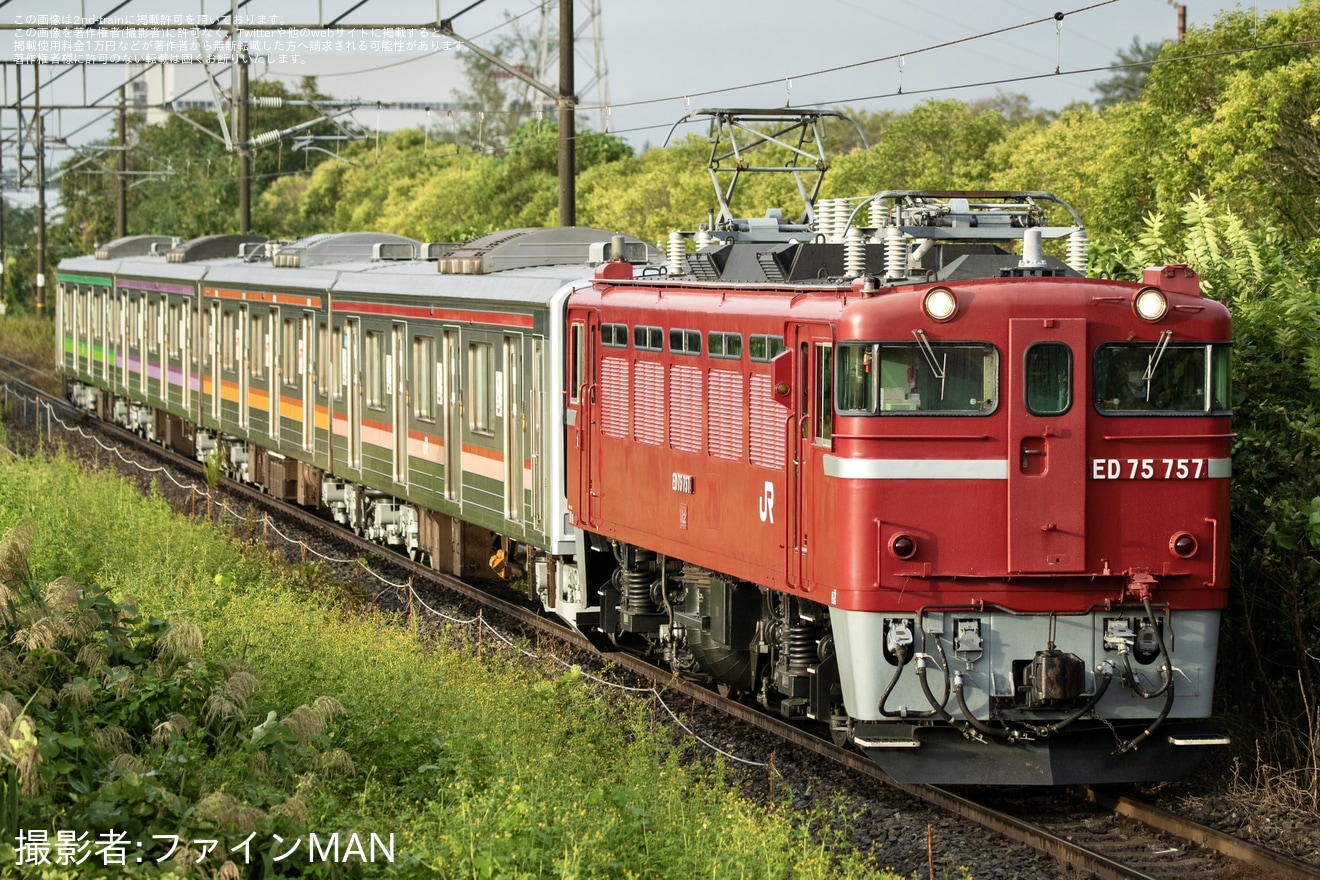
(120, 331)
(812, 436)
(80, 295)
(396, 387)
(185, 331)
(275, 367)
(536, 431)
(242, 334)
(103, 327)
(212, 363)
(306, 357)
(327, 386)
(508, 399)
(160, 347)
(169, 347)
(584, 330)
(453, 431)
(143, 342)
(1047, 450)
(353, 391)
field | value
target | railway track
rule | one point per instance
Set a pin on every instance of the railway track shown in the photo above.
(1088, 832)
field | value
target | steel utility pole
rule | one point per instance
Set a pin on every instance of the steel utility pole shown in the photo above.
(3, 301)
(41, 192)
(567, 119)
(121, 183)
(244, 149)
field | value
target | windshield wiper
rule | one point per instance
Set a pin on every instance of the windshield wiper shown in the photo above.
(1154, 360)
(937, 369)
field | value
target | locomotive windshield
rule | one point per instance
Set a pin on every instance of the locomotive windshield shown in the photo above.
(897, 378)
(1162, 378)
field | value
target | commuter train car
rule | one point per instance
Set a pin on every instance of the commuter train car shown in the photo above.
(890, 468)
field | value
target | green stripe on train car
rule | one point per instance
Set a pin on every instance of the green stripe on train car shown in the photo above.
(84, 279)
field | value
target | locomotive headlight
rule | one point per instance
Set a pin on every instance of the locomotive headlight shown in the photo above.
(1183, 545)
(903, 546)
(1151, 304)
(940, 304)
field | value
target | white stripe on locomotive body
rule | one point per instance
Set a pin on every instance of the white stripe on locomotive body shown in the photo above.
(959, 468)
(916, 469)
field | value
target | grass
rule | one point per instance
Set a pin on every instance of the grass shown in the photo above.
(31, 340)
(480, 767)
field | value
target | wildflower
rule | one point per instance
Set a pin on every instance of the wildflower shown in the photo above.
(304, 724)
(182, 642)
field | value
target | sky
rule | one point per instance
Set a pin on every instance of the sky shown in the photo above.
(661, 59)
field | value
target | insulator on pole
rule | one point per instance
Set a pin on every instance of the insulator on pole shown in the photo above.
(676, 253)
(854, 253)
(843, 209)
(1078, 250)
(896, 255)
(267, 137)
(825, 218)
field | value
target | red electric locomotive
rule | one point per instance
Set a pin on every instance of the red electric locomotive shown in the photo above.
(961, 502)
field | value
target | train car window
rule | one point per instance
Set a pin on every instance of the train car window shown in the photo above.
(824, 394)
(905, 378)
(153, 324)
(288, 352)
(256, 346)
(226, 340)
(1151, 378)
(614, 335)
(725, 345)
(66, 316)
(172, 329)
(323, 358)
(577, 362)
(481, 380)
(1048, 368)
(423, 375)
(686, 342)
(648, 338)
(373, 379)
(338, 386)
(764, 348)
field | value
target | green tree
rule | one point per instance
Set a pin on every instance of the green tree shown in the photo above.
(184, 182)
(936, 145)
(1130, 73)
(1230, 113)
(494, 100)
(20, 258)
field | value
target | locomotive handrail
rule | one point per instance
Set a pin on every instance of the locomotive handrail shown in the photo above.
(1214, 548)
(1229, 436)
(838, 435)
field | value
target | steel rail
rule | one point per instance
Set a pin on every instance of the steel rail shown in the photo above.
(1273, 863)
